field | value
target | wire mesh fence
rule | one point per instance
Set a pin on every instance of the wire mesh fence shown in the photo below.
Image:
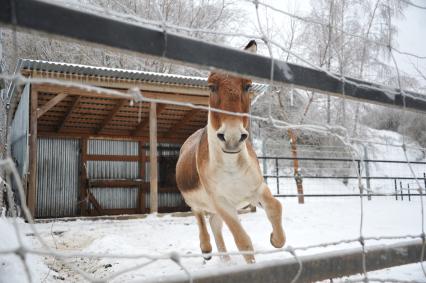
(351, 168)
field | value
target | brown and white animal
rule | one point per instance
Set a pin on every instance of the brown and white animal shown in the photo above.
(218, 171)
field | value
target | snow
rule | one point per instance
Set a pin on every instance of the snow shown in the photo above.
(11, 266)
(315, 222)
(319, 220)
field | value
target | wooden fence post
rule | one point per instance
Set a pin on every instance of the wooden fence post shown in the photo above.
(153, 158)
(32, 184)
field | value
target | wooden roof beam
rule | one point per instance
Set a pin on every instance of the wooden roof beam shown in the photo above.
(145, 122)
(74, 105)
(50, 104)
(182, 122)
(111, 116)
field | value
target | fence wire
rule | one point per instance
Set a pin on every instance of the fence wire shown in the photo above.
(340, 133)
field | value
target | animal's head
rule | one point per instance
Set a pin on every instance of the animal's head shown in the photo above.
(231, 94)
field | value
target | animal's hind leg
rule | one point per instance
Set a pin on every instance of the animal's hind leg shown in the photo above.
(217, 223)
(273, 210)
(205, 245)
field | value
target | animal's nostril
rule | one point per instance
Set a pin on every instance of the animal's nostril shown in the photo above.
(243, 137)
(221, 137)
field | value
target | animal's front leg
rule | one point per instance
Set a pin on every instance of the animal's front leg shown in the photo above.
(216, 223)
(230, 216)
(273, 210)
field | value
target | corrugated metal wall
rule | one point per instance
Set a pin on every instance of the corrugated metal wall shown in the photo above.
(114, 197)
(19, 132)
(57, 177)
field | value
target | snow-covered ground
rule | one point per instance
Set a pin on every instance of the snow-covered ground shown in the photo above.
(315, 222)
(319, 220)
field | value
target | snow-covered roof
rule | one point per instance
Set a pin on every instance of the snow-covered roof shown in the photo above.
(154, 77)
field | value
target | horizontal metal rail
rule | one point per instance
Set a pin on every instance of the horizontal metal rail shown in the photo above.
(347, 195)
(344, 177)
(65, 22)
(340, 159)
(316, 267)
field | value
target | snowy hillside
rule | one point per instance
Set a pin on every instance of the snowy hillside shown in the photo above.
(375, 145)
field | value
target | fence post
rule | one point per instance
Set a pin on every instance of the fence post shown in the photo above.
(409, 197)
(278, 175)
(367, 172)
(424, 178)
(400, 187)
(396, 190)
(264, 160)
(358, 162)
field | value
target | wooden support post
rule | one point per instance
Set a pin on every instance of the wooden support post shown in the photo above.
(153, 158)
(297, 177)
(83, 177)
(32, 184)
(142, 175)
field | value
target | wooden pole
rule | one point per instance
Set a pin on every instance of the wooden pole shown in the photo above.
(32, 182)
(83, 177)
(153, 158)
(297, 176)
(142, 159)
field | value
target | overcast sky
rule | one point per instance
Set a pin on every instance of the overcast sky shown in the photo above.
(412, 38)
(411, 31)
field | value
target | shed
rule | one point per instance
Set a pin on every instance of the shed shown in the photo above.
(80, 152)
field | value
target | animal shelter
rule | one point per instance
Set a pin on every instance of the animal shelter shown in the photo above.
(84, 152)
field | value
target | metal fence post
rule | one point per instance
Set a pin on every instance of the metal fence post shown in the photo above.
(367, 172)
(400, 187)
(396, 190)
(278, 175)
(424, 178)
(409, 197)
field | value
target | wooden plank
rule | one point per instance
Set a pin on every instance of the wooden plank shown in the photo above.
(67, 116)
(117, 183)
(32, 184)
(95, 203)
(178, 97)
(182, 122)
(101, 157)
(181, 208)
(51, 103)
(145, 122)
(112, 114)
(118, 211)
(153, 158)
(83, 177)
(48, 133)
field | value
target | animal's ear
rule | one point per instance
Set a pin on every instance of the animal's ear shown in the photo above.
(251, 46)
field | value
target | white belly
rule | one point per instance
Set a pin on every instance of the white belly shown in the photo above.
(239, 189)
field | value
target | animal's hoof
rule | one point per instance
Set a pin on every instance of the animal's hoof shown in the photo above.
(250, 259)
(207, 256)
(277, 242)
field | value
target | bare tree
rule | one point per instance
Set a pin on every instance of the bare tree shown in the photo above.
(206, 14)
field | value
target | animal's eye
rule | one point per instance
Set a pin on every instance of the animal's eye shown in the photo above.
(213, 87)
(247, 87)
